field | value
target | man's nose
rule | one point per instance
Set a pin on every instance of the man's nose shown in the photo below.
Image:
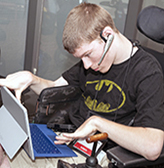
(86, 62)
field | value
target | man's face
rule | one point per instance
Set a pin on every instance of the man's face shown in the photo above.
(91, 54)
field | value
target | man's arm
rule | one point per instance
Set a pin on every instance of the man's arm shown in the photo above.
(39, 84)
(147, 142)
(19, 81)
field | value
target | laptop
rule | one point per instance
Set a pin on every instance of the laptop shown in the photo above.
(16, 132)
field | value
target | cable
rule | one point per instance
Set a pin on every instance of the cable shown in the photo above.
(123, 83)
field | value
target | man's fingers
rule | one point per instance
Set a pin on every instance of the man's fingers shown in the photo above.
(2, 82)
(18, 94)
(63, 139)
(58, 142)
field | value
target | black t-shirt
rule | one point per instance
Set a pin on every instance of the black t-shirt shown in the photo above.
(132, 89)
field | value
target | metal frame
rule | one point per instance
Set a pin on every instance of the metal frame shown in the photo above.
(33, 35)
(134, 7)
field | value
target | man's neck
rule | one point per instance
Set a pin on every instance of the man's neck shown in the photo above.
(124, 48)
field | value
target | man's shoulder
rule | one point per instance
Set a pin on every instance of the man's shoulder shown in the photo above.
(144, 59)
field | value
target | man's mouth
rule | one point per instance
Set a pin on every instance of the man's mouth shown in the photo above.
(96, 69)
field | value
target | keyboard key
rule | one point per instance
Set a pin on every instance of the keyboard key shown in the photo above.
(41, 143)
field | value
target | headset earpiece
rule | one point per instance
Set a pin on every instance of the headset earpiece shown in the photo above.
(107, 46)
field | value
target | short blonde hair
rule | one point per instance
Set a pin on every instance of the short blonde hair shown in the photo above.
(84, 24)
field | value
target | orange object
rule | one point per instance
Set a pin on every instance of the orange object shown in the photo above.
(97, 137)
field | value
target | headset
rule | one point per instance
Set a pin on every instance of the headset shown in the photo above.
(107, 45)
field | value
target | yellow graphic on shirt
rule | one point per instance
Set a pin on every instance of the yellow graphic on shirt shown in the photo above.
(104, 107)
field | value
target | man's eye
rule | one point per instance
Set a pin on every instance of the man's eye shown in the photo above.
(87, 55)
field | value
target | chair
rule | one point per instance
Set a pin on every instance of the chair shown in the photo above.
(150, 22)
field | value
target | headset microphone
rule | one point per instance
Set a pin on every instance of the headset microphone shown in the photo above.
(107, 46)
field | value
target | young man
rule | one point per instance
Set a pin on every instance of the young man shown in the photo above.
(123, 91)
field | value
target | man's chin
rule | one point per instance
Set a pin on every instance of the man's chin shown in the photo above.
(103, 70)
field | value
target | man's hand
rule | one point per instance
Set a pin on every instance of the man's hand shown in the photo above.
(87, 129)
(18, 81)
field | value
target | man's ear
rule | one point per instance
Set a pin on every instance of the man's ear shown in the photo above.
(107, 31)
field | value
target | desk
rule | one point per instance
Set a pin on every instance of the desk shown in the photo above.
(21, 160)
